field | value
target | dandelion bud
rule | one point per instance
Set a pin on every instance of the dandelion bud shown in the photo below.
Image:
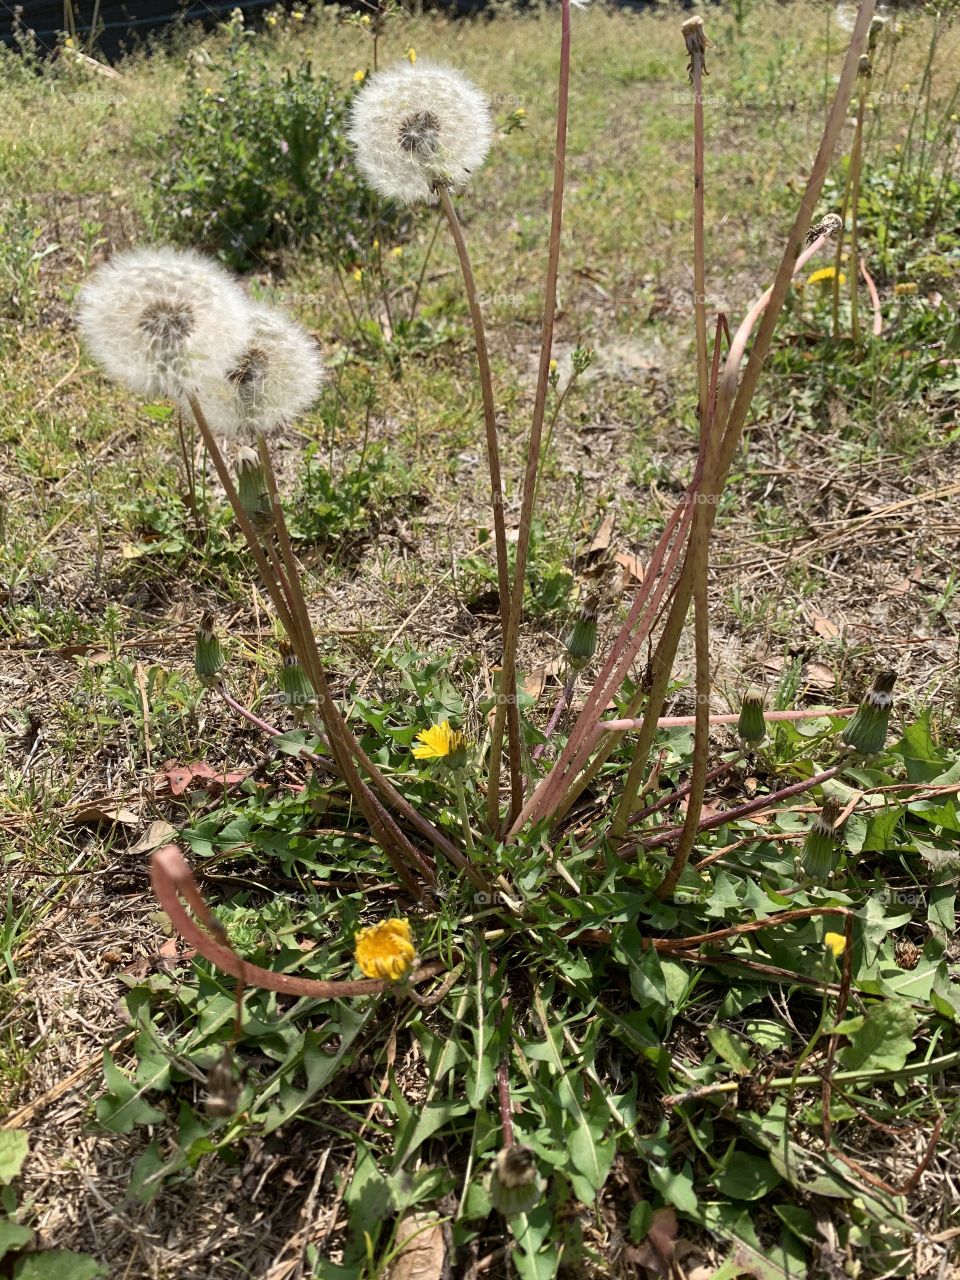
(867, 730)
(828, 225)
(296, 689)
(877, 28)
(751, 726)
(818, 861)
(515, 1185)
(581, 642)
(252, 488)
(208, 653)
(223, 1087)
(906, 954)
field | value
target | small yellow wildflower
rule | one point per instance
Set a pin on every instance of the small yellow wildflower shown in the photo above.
(823, 275)
(440, 742)
(359, 75)
(271, 19)
(521, 112)
(297, 15)
(553, 366)
(365, 20)
(68, 43)
(376, 245)
(906, 290)
(385, 950)
(412, 54)
(396, 251)
(835, 943)
(358, 274)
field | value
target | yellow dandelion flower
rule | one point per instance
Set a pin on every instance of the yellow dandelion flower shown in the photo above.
(376, 245)
(824, 274)
(358, 275)
(359, 75)
(905, 290)
(385, 950)
(297, 15)
(440, 742)
(520, 111)
(396, 251)
(835, 943)
(412, 54)
(365, 20)
(271, 19)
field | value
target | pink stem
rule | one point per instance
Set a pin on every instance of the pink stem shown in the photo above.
(172, 880)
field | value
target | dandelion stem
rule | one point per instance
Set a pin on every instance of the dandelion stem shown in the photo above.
(855, 157)
(464, 811)
(509, 677)
(508, 692)
(699, 550)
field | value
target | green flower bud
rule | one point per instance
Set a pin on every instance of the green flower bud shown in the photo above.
(296, 689)
(819, 859)
(515, 1185)
(581, 642)
(252, 489)
(751, 726)
(208, 654)
(866, 732)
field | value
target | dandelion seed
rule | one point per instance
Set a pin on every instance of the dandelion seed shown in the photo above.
(418, 127)
(273, 379)
(385, 950)
(157, 320)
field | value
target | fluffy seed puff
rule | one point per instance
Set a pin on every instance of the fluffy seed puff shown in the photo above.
(417, 126)
(158, 320)
(273, 379)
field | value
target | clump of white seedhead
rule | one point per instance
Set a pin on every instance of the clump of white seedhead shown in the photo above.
(158, 320)
(270, 381)
(417, 126)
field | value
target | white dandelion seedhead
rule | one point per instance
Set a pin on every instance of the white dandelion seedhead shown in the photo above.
(158, 320)
(270, 381)
(418, 125)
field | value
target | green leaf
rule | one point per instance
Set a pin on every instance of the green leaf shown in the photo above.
(745, 1177)
(58, 1264)
(534, 1258)
(14, 1146)
(920, 755)
(730, 1048)
(882, 1038)
(880, 830)
(766, 1261)
(675, 1187)
(641, 1216)
(123, 1107)
(13, 1236)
